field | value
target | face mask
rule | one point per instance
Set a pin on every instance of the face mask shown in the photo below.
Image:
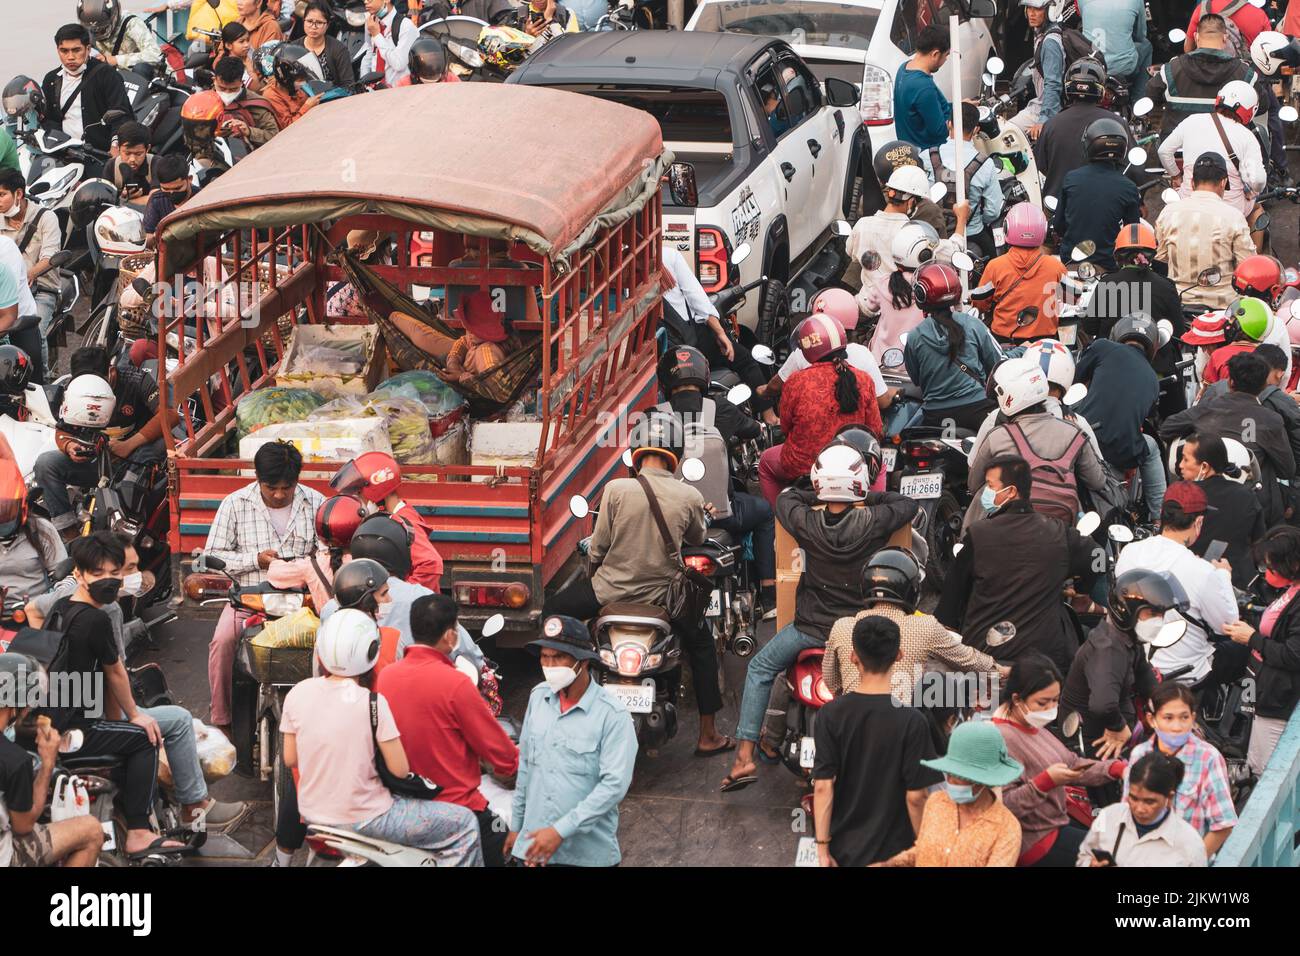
(959, 794)
(559, 678)
(105, 590)
(13, 210)
(1276, 580)
(77, 72)
(988, 499)
(133, 584)
(384, 608)
(9, 734)
(1040, 718)
(1146, 631)
(1173, 741)
(229, 98)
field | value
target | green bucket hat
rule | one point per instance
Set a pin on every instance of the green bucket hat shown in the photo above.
(977, 752)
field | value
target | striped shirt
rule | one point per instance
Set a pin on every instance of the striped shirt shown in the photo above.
(1203, 799)
(243, 529)
(1198, 233)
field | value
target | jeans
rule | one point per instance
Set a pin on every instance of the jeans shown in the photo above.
(55, 471)
(45, 303)
(1137, 82)
(177, 728)
(750, 513)
(1152, 468)
(767, 665)
(446, 828)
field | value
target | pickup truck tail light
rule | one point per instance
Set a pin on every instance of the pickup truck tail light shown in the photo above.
(711, 259)
(877, 97)
(513, 594)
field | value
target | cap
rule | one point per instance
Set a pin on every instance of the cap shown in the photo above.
(477, 315)
(1208, 163)
(1207, 329)
(1188, 496)
(567, 635)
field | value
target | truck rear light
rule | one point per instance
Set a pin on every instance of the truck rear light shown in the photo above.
(711, 259)
(877, 104)
(701, 563)
(513, 594)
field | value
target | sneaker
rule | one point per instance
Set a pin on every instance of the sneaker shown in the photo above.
(769, 614)
(221, 816)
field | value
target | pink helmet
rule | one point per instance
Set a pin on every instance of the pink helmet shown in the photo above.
(1026, 226)
(818, 336)
(839, 304)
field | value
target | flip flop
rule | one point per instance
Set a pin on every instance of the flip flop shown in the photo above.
(730, 784)
(766, 757)
(729, 746)
(157, 847)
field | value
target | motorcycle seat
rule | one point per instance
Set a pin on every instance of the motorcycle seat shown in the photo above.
(722, 536)
(100, 764)
(634, 610)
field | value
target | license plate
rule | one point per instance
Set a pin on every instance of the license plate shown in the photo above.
(637, 698)
(806, 855)
(999, 236)
(1067, 334)
(890, 457)
(926, 485)
(715, 604)
(807, 752)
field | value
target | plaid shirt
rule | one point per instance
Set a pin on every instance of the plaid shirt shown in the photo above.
(1203, 798)
(242, 529)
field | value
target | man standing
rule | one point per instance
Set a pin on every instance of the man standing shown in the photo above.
(577, 748)
(38, 236)
(1190, 82)
(983, 187)
(81, 91)
(921, 111)
(446, 726)
(1119, 29)
(1048, 70)
(388, 41)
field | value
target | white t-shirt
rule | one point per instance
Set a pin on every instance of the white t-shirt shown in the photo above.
(280, 518)
(11, 260)
(859, 356)
(72, 122)
(688, 299)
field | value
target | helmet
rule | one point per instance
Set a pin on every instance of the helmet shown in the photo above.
(504, 47)
(295, 63)
(1239, 98)
(910, 180)
(937, 284)
(1019, 384)
(347, 644)
(264, 57)
(818, 336)
(13, 499)
(338, 518)
(120, 231)
(1105, 138)
(88, 402)
(1259, 276)
(1137, 327)
(1085, 80)
(200, 116)
(657, 433)
(1135, 239)
(894, 156)
(1263, 49)
(90, 200)
(1026, 226)
(357, 579)
(914, 244)
(15, 370)
(839, 473)
(1251, 316)
(1054, 359)
(864, 443)
(386, 540)
(1138, 589)
(374, 475)
(683, 366)
(895, 576)
(427, 61)
(100, 17)
(839, 304)
(22, 95)
(29, 680)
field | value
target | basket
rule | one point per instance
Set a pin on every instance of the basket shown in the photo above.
(277, 665)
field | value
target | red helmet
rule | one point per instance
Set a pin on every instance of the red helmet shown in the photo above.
(338, 518)
(839, 304)
(1258, 276)
(818, 336)
(937, 284)
(373, 475)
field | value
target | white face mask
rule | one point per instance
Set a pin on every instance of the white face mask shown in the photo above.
(77, 72)
(1147, 631)
(1040, 718)
(229, 98)
(384, 608)
(133, 584)
(559, 677)
(14, 210)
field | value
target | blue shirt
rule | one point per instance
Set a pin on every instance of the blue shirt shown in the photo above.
(8, 289)
(921, 110)
(403, 595)
(985, 195)
(574, 770)
(1051, 53)
(1114, 26)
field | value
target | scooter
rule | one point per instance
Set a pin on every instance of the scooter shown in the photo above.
(999, 139)
(459, 36)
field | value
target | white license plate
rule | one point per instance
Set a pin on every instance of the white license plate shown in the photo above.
(637, 698)
(806, 855)
(807, 752)
(890, 457)
(927, 485)
(1067, 334)
(715, 604)
(999, 236)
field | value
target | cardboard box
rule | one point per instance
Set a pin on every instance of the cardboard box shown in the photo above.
(507, 444)
(785, 549)
(298, 370)
(786, 584)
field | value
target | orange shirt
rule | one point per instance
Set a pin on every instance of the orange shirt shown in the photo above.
(1038, 289)
(993, 839)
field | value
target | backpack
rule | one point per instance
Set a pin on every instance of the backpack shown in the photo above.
(942, 174)
(1075, 42)
(1054, 490)
(1234, 43)
(705, 442)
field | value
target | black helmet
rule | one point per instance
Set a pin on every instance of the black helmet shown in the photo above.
(1085, 81)
(427, 61)
(357, 579)
(892, 155)
(27, 679)
(683, 366)
(893, 575)
(294, 63)
(100, 17)
(658, 432)
(22, 94)
(15, 370)
(1140, 588)
(1105, 139)
(387, 541)
(90, 200)
(864, 443)
(1137, 327)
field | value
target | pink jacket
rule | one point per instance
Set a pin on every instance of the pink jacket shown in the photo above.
(296, 573)
(874, 298)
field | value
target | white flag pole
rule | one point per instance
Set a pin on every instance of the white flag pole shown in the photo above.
(954, 63)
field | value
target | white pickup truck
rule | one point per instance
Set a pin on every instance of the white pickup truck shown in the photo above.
(768, 154)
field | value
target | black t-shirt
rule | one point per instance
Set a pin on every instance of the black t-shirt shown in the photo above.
(873, 749)
(137, 398)
(16, 776)
(88, 633)
(1237, 521)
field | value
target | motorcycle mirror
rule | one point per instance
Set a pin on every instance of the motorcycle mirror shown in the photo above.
(1259, 3)
(1075, 394)
(1087, 270)
(1088, 524)
(985, 114)
(1070, 726)
(1171, 633)
(1145, 105)
(1166, 330)
(762, 355)
(1026, 317)
(841, 228)
(963, 261)
(112, 116)
(938, 192)
(995, 65)
(1169, 195)
(988, 79)
(956, 549)
(627, 458)
(693, 469)
(1120, 534)
(682, 186)
(1209, 277)
(892, 358)
(578, 506)
(214, 4)
(1050, 202)
(1288, 114)
(1087, 247)
(741, 253)
(494, 625)
(1003, 632)
(1176, 36)
(870, 261)
(1137, 155)
(740, 394)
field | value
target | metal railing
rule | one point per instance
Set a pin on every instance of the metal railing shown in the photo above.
(1267, 831)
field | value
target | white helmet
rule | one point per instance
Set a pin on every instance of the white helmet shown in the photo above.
(914, 244)
(840, 474)
(1019, 384)
(119, 231)
(88, 402)
(1240, 97)
(348, 643)
(1243, 458)
(1054, 359)
(1263, 48)
(911, 180)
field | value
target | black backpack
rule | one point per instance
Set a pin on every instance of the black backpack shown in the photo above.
(1076, 44)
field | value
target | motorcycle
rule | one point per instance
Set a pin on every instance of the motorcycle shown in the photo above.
(997, 138)
(459, 36)
(808, 694)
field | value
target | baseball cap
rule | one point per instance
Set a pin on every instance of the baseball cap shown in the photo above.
(1188, 496)
(1209, 164)
(567, 635)
(1207, 329)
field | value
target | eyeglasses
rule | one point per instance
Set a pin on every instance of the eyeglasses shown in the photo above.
(315, 23)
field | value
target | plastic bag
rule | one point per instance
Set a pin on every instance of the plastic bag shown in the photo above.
(216, 752)
(70, 799)
(406, 419)
(271, 406)
(328, 360)
(438, 397)
(293, 630)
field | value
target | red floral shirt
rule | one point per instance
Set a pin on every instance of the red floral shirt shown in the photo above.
(810, 414)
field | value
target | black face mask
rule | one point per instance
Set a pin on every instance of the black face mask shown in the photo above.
(105, 590)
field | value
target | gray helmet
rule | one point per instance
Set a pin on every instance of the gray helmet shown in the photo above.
(1105, 139)
(358, 579)
(100, 17)
(1137, 327)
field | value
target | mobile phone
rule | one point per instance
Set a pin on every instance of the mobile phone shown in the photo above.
(1103, 856)
(1215, 551)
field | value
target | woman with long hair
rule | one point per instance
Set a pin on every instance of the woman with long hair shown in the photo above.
(888, 296)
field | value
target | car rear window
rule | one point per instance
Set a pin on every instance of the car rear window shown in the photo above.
(798, 22)
(684, 114)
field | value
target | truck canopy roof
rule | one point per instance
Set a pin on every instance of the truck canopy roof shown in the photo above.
(546, 167)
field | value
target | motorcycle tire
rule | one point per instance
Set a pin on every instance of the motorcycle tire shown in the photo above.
(281, 777)
(942, 531)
